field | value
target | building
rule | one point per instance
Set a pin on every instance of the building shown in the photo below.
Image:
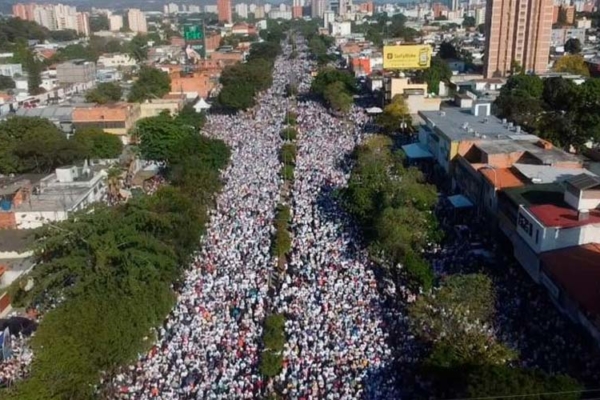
(111, 60)
(137, 21)
(211, 8)
(563, 14)
(11, 70)
(517, 32)
(561, 35)
(76, 71)
(30, 202)
(172, 103)
(278, 14)
(54, 16)
(224, 11)
(317, 8)
(343, 28)
(242, 10)
(328, 18)
(194, 84)
(415, 94)
(117, 119)
(115, 22)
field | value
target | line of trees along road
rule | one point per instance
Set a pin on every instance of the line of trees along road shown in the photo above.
(241, 82)
(105, 278)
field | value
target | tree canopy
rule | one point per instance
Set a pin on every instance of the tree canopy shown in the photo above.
(97, 144)
(6, 82)
(573, 46)
(104, 279)
(538, 105)
(34, 145)
(105, 92)
(394, 115)
(573, 64)
(393, 206)
(151, 84)
(437, 72)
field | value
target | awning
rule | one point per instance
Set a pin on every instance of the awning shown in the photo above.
(416, 151)
(201, 105)
(460, 201)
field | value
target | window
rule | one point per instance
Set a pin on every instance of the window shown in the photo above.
(537, 236)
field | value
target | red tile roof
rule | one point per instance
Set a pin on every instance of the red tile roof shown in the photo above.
(554, 216)
(577, 271)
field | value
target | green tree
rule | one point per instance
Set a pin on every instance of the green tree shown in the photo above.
(158, 136)
(337, 97)
(438, 72)
(394, 115)
(327, 76)
(573, 64)
(237, 98)
(6, 82)
(65, 35)
(97, 144)
(190, 117)
(468, 22)
(151, 84)
(573, 46)
(138, 47)
(106, 92)
(99, 23)
(448, 51)
(33, 145)
(76, 52)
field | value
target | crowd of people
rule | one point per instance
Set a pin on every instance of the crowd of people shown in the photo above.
(337, 337)
(17, 365)
(209, 347)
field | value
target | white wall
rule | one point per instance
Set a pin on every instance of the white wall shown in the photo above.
(35, 219)
(555, 237)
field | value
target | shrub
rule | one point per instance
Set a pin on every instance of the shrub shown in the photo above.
(287, 154)
(291, 118)
(287, 172)
(289, 134)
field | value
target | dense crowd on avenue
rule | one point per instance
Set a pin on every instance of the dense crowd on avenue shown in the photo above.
(17, 366)
(337, 338)
(209, 346)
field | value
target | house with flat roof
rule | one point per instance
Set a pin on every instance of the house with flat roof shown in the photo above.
(29, 204)
(118, 118)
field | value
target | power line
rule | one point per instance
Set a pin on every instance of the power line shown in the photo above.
(513, 396)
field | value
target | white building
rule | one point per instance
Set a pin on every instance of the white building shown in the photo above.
(54, 197)
(11, 69)
(277, 14)
(328, 18)
(340, 28)
(115, 22)
(195, 9)
(242, 10)
(211, 8)
(171, 8)
(116, 60)
(137, 21)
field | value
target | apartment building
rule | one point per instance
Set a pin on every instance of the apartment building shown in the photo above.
(54, 16)
(517, 32)
(224, 11)
(76, 71)
(137, 21)
(117, 119)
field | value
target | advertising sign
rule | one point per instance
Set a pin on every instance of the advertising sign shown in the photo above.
(193, 32)
(407, 56)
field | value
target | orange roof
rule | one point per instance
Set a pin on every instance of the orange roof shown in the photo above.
(577, 271)
(46, 53)
(112, 112)
(502, 178)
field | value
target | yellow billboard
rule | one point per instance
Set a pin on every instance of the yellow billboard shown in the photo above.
(407, 56)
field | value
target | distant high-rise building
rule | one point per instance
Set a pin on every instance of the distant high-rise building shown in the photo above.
(115, 22)
(517, 32)
(211, 8)
(328, 17)
(224, 10)
(194, 8)
(242, 10)
(23, 11)
(54, 16)
(83, 23)
(267, 7)
(137, 21)
(259, 12)
(171, 8)
(317, 8)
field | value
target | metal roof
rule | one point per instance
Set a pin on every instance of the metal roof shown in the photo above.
(583, 181)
